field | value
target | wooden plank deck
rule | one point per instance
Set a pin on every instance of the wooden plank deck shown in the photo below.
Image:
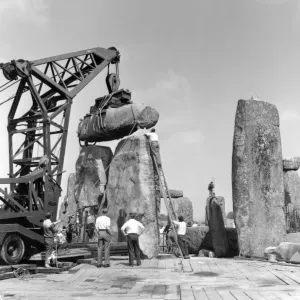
(172, 279)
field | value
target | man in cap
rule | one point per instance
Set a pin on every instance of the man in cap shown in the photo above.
(132, 229)
(49, 230)
(104, 237)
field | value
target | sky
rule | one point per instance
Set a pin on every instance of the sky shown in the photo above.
(191, 60)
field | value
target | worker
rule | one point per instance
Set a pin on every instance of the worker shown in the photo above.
(62, 240)
(181, 236)
(104, 237)
(49, 230)
(153, 137)
(132, 229)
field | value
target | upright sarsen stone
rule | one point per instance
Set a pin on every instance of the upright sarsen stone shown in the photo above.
(133, 187)
(257, 178)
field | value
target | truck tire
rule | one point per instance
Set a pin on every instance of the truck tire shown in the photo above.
(13, 249)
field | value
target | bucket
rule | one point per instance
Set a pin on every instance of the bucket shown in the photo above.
(272, 258)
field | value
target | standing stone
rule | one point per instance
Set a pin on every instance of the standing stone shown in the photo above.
(91, 174)
(257, 178)
(183, 207)
(133, 186)
(68, 207)
(221, 202)
(291, 181)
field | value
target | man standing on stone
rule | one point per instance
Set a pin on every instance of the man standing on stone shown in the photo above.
(49, 231)
(104, 238)
(181, 236)
(132, 229)
(153, 138)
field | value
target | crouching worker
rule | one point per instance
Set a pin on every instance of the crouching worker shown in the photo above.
(49, 230)
(104, 237)
(132, 229)
(181, 236)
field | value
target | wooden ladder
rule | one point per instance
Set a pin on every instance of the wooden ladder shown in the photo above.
(167, 198)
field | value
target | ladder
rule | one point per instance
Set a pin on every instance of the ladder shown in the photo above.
(167, 198)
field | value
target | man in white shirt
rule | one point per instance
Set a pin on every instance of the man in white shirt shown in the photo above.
(104, 237)
(181, 236)
(153, 138)
(49, 230)
(133, 229)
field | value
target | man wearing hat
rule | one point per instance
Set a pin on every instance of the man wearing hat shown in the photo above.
(49, 231)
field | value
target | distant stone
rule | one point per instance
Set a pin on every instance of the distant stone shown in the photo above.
(291, 182)
(183, 207)
(291, 163)
(133, 186)
(91, 174)
(174, 194)
(221, 202)
(257, 178)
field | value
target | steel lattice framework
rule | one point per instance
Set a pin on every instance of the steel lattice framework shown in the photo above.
(49, 85)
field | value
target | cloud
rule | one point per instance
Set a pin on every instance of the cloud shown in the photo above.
(34, 11)
(290, 115)
(171, 96)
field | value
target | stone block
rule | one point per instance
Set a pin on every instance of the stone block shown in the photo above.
(183, 207)
(257, 178)
(291, 182)
(133, 186)
(291, 163)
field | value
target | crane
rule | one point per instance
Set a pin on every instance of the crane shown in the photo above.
(39, 119)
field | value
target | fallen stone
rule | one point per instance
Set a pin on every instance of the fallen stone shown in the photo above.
(232, 239)
(284, 250)
(291, 182)
(116, 122)
(291, 163)
(257, 178)
(133, 186)
(195, 236)
(183, 207)
(221, 202)
(174, 194)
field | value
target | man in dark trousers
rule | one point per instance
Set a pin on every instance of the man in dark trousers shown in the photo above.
(133, 229)
(49, 230)
(104, 237)
(181, 232)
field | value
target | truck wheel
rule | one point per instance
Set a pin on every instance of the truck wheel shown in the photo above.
(13, 249)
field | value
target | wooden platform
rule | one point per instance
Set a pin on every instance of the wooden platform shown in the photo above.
(71, 253)
(170, 279)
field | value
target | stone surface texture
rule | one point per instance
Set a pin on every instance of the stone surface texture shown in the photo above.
(284, 250)
(133, 186)
(68, 206)
(195, 236)
(291, 181)
(91, 174)
(221, 202)
(291, 163)
(183, 207)
(116, 122)
(257, 178)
